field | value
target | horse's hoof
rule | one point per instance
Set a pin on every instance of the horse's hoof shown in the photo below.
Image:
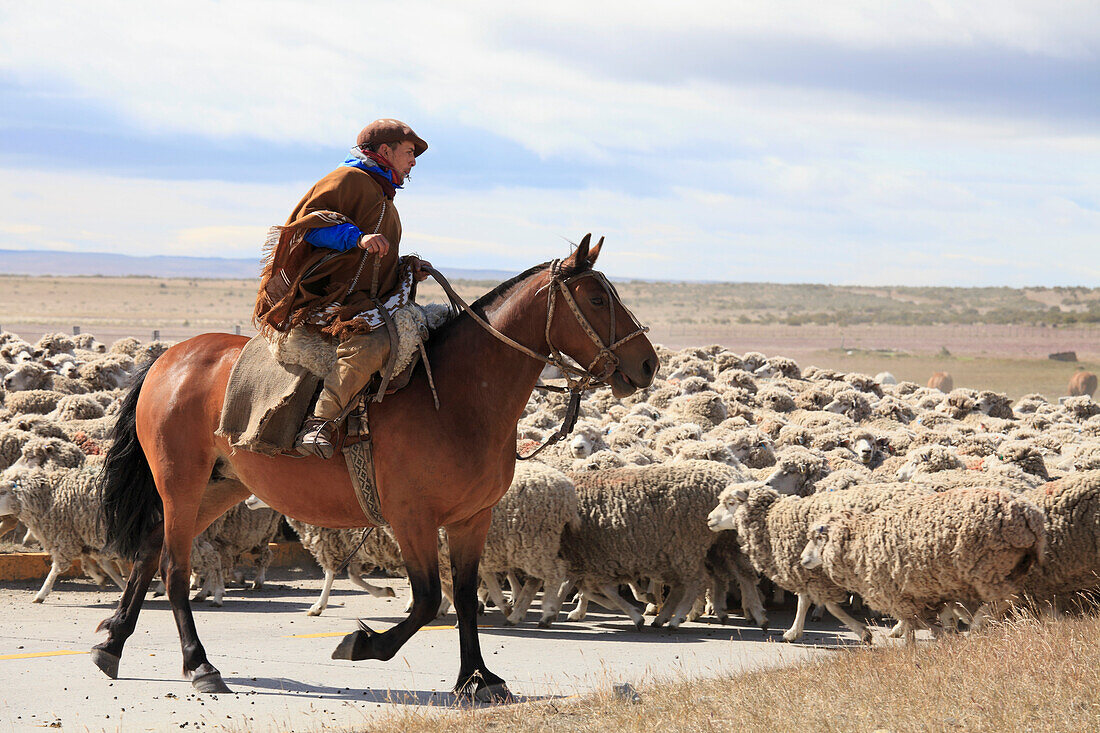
(107, 662)
(210, 683)
(498, 693)
(545, 623)
(356, 645)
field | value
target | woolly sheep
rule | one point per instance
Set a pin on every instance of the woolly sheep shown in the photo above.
(110, 372)
(64, 511)
(28, 376)
(851, 403)
(796, 471)
(966, 545)
(331, 547)
(55, 343)
(928, 459)
(88, 342)
(49, 453)
(886, 378)
(1071, 507)
(771, 529)
(244, 531)
(704, 408)
(645, 522)
(77, 407)
(32, 401)
(127, 345)
(775, 399)
(526, 534)
(665, 441)
(778, 366)
(750, 446)
(12, 440)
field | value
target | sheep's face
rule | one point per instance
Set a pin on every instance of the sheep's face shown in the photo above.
(721, 517)
(908, 470)
(69, 370)
(864, 449)
(767, 371)
(786, 479)
(754, 454)
(811, 555)
(582, 446)
(26, 376)
(9, 504)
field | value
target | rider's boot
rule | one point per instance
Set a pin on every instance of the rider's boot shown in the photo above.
(358, 358)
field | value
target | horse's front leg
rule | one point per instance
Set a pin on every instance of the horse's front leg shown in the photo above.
(419, 545)
(466, 541)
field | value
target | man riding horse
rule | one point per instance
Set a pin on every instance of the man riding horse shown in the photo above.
(306, 284)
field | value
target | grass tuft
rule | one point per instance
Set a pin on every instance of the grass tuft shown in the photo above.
(1023, 675)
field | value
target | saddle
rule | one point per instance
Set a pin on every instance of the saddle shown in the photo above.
(273, 385)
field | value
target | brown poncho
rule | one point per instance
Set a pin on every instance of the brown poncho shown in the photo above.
(296, 286)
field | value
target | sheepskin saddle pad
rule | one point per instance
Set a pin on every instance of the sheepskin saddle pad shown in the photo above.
(274, 383)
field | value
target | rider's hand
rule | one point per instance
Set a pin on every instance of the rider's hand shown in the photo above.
(375, 244)
(418, 266)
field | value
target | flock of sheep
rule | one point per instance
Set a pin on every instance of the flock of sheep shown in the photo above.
(732, 477)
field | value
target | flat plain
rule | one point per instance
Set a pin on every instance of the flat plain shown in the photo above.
(987, 338)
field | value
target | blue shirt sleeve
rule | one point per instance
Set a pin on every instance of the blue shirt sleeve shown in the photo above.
(341, 237)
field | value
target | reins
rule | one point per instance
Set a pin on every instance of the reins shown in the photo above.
(578, 380)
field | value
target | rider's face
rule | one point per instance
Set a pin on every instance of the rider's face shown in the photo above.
(401, 155)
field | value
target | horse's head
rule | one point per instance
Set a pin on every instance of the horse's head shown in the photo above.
(589, 323)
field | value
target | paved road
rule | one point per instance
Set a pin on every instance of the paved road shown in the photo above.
(276, 659)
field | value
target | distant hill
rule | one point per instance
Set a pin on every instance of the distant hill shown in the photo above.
(45, 262)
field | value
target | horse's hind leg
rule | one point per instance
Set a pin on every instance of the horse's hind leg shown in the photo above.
(466, 542)
(120, 626)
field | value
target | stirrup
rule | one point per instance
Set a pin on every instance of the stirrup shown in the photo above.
(316, 438)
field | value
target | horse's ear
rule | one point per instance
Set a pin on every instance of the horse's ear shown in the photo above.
(594, 253)
(580, 254)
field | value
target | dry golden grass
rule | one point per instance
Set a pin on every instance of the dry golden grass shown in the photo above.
(1024, 675)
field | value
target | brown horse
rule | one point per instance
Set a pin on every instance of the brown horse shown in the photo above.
(167, 476)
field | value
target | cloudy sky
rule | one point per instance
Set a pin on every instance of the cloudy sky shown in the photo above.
(904, 142)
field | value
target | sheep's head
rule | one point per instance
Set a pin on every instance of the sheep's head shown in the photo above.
(994, 404)
(9, 502)
(731, 498)
(795, 468)
(27, 375)
(754, 449)
(816, 537)
(928, 459)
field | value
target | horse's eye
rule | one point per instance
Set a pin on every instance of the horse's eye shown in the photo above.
(596, 300)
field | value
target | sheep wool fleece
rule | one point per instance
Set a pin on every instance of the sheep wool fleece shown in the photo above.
(967, 545)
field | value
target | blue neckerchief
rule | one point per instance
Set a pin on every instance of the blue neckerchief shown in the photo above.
(354, 162)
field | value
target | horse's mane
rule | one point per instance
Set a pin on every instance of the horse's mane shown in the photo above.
(496, 296)
(501, 292)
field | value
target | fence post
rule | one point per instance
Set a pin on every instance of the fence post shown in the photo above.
(156, 334)
(237, 330)
(76, 330)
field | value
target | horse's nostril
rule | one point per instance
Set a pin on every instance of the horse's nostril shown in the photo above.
(647, 367)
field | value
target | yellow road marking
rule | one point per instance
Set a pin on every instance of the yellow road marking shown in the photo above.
(345, 633)
(61, 653)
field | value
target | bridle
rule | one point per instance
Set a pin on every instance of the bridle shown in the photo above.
(578, 379)
(582, 379)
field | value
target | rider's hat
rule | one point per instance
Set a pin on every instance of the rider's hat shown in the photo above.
(388, 132)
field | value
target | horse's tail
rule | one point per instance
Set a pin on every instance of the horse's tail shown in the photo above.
(131, 504)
